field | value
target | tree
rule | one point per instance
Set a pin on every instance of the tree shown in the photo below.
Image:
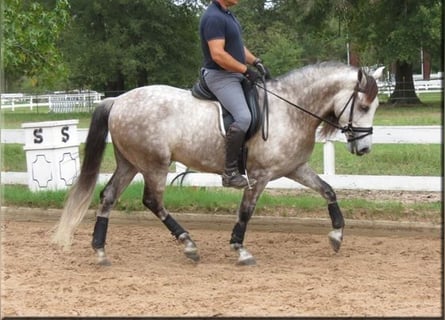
(395, 32)
(291, 34)
(120, 45)
(379, 32)
(268, 36)
(31, 32)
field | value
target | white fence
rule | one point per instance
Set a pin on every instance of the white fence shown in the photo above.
(435, 84)
(58, 102)
(382, 134)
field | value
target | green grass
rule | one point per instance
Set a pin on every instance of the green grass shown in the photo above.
(14, 119)
(430, 112)
(384, 159)
(425, 115)
(225, 201)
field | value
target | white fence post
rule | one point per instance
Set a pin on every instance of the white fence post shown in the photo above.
(329, 157)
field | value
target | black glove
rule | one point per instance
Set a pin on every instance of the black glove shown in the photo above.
(262, 69)
(252, 75)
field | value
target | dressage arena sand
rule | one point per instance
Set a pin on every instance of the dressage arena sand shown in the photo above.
(381, 269)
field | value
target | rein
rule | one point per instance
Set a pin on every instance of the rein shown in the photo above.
(349, 129)
(265, 120)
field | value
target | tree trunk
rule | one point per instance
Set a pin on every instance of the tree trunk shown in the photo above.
(426, 65)
(404, 92)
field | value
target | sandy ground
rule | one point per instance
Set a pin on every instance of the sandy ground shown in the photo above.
(381, 270)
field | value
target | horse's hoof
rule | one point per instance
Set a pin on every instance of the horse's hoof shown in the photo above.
(190, 249)
(104, 262)
(335, 239)
(245, 258)
(193, 256)
(102, 259)
(247, 262)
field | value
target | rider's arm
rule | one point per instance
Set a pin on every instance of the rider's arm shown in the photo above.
(224, 59)
(250, 58)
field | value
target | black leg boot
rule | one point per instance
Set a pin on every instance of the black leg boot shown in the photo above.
(231, 176)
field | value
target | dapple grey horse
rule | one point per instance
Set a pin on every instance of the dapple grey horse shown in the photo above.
(154, 125)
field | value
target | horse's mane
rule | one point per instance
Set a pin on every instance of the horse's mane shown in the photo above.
(319, 67)
(370, 89)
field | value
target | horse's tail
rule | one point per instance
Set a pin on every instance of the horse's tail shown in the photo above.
(80, 195)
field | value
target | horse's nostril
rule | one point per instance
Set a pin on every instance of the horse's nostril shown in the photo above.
(363, 151)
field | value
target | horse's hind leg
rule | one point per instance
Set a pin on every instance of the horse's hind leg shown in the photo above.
(121, 178)
(153, 199)
(307, 177)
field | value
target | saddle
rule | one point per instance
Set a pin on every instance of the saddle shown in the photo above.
(200, 90)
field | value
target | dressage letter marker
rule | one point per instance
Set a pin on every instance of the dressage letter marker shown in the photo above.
(52, 154)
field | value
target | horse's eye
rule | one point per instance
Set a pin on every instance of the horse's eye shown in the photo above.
(364, 107)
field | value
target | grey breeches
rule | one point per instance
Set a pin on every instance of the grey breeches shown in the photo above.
(226, 86)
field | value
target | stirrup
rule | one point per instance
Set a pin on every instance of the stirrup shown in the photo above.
(235, 180)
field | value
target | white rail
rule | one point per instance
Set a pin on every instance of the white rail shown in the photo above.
(420, 86)
(57, 102)
(382, 134)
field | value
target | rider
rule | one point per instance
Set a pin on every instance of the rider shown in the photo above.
(225, 66)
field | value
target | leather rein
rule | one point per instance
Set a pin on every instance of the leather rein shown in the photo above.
(349, 130)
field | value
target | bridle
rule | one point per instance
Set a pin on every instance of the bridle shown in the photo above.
(349, 130)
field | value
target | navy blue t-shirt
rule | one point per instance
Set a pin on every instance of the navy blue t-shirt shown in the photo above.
(218, 23)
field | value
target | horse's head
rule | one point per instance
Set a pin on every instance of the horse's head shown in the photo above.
(356, 116)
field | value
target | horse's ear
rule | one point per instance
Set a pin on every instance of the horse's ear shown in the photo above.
(361, 78)
(378, 73)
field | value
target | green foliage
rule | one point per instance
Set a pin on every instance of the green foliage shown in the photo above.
(31, 35)
(282, 55)
(290, 34)
(119, 45)
(396, 30)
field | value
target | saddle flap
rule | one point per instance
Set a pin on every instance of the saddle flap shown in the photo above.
(251, 94)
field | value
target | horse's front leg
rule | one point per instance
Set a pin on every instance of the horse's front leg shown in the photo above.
(307, 177)
(245, 212)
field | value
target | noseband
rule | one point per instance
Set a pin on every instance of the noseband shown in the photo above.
(349, 130)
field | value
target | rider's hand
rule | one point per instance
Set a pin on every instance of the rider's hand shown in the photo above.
(252, 75)
(262, 69)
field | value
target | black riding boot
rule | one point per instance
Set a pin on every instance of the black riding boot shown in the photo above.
(231, 176)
